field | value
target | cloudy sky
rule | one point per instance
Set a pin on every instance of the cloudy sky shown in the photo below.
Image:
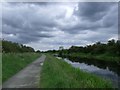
(48, 25)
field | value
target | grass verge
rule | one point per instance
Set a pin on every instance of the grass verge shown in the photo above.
(59, 74)
(14, 62)
(0, 69)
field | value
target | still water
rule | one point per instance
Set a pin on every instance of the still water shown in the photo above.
(103, 70)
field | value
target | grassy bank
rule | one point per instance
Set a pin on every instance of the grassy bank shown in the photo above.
(0, 68)
(0, 62)
(103, 57)
(59, 74)
(14, 62)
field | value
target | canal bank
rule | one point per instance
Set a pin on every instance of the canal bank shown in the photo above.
(104, 69)
(56, 73)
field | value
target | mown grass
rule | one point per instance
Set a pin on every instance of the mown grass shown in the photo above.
(59, 74)
(14, 62)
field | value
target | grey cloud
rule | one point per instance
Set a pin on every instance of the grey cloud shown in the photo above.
(32, 3)
(93, 11)
(27, 19)
(111, 19)
(89, 13)
(100, 37)
(26, 24)
(31, 37)
(24, 36)
(82, 27)
(39, 22)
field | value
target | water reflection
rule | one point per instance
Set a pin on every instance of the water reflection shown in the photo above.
(112, 66)
(100, 68)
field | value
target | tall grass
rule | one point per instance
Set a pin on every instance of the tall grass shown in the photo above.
(0, 62)
(59, 74)
(14, 62)
(0, 68)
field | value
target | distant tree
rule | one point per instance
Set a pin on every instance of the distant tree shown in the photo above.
(111, 42)
(61, 50)
(112, 47)
(38, 51)
(118, 47)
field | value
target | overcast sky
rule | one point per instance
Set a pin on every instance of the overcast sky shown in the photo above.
(47, 26)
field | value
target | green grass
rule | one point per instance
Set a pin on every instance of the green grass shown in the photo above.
(0, 68)
(14, 62)
(0, 62)
(103, 57)
(59, 74)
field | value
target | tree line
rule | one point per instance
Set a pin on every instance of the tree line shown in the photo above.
(112, 47)
(9, 46)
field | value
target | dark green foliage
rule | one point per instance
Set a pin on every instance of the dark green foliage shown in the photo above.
(111, 48)
(38, 51)
(8, 46)
(99, 51)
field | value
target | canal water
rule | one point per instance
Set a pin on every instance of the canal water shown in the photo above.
(103, 70)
